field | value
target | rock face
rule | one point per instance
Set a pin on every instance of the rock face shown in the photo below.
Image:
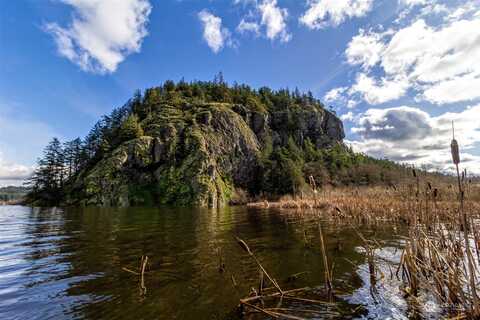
(198, 154)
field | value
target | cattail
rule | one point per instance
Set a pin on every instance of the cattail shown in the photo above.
(455, 152)
(429, 185)
(414, 172)
(454, 149)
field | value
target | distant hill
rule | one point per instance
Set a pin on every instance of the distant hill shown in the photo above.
(12, 193)
(204, 144)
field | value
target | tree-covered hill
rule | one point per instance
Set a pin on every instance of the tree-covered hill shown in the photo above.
(12, 194)
(203, 144)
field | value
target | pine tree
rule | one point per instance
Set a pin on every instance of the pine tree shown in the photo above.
(130, 128)
(49, 176)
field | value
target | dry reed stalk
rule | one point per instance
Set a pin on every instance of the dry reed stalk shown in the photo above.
(456, 160)
(328, 275)
(143, 266)
(245, 247)
(313, 185)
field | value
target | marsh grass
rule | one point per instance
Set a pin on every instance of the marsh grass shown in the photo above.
(441, 256)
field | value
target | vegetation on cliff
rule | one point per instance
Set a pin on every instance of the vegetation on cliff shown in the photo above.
(203, 144)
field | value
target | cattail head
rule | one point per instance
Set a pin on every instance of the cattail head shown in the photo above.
(454, 148)
(414, 172)
(455, 152)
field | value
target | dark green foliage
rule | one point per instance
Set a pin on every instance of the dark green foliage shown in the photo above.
(130, 128)
(47, 181)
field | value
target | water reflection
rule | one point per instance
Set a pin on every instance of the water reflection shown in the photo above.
(68, 263)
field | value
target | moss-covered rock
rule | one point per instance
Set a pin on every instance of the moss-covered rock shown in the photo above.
(197, 154)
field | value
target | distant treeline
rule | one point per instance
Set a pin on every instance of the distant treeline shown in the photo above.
(12, 193)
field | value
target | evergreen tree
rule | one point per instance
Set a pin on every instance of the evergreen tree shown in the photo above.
(130, 128)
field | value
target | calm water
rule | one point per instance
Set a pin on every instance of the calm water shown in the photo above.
(68, 263)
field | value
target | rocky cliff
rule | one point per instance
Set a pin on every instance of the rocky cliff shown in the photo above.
(198, 154)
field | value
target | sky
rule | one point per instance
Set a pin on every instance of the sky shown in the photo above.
(397, 72)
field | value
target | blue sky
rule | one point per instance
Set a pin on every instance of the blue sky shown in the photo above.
(396, 71)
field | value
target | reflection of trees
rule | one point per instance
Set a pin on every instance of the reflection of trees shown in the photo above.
(82, 252)
(76, 257)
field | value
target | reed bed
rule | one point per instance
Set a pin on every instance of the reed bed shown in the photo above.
(298, 303)
(441, 254)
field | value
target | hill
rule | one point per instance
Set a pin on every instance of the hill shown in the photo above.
(204, 144)
(12, 194)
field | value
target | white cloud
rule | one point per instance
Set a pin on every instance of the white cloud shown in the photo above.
(411, 135)
(12, 172)
(273, 18)
(102, 33)
(379, 91)
(339, 97)
(266, 18)
(334, 94)
(412, 3)
(439, 63)
(463, 88)
(349, 116)
(468, 9)
(365, 49)
(324, 13)
(213, 33)
(246, 26)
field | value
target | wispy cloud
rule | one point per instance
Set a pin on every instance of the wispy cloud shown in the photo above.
(267, 18)
(248, 26)
(102, 33)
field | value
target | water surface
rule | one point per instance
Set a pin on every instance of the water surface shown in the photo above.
(70, 263)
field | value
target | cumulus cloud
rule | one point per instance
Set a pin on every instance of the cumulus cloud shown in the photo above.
(408, 134)
(273, 18)
(214, 34)
(102, 33)
(324, 13)
(439, 62)
(365, 49)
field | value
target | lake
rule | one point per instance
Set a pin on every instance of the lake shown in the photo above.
(80, 263)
